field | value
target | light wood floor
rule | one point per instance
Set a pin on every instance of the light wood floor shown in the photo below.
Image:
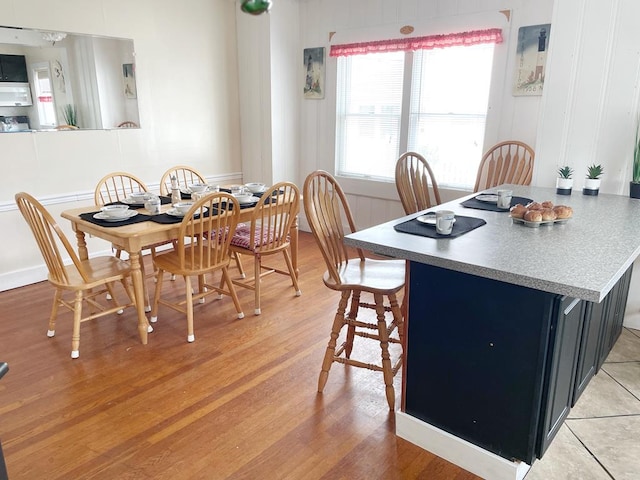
(240, 402)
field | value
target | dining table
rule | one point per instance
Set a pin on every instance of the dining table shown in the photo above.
(133, 237)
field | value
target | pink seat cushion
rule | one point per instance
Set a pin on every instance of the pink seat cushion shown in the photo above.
(242, 237)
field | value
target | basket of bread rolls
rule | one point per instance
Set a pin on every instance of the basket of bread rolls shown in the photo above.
(535, 214)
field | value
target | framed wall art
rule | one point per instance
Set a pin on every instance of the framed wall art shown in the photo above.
(314, 73)
(128, 76)
(531, 57)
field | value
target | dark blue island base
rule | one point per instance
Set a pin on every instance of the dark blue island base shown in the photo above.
(499, 365)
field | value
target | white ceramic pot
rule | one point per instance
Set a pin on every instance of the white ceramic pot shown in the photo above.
(591, 186)
(564, 186)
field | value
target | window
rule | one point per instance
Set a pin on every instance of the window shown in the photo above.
(432, 101)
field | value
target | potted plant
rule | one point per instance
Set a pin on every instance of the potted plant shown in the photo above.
(634, 185)
(592, 182)
(70, 115)
(564, 182)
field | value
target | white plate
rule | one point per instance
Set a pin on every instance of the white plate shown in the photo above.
(249, 200)
(175, 213)
(187, 190)
(486, 197)
(132, 201)
(429, 219)
(102, 216)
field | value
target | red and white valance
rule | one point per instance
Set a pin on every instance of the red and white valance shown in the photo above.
(492, 35)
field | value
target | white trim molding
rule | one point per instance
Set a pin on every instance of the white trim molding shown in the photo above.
(455, 450)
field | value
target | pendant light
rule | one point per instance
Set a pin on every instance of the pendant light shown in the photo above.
(255, 7)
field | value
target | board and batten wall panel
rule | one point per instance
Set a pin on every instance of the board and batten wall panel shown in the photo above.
(325, 22)
(591, 101)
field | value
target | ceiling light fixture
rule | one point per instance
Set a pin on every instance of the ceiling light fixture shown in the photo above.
(255, 7)
(53, 37)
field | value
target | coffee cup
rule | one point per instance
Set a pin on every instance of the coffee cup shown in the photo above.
(444, 221)
(504, 198)
(152, 204)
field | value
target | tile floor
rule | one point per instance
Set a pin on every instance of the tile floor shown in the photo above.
(601, 437)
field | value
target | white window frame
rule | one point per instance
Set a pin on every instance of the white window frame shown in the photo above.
(403, 133)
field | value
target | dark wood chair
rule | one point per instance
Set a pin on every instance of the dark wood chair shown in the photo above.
(326, 207)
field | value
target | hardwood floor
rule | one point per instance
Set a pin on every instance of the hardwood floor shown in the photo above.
(240, 402)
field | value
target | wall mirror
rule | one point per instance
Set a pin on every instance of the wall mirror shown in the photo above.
(72, 81)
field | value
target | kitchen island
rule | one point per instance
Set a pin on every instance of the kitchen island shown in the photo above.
(507, 324)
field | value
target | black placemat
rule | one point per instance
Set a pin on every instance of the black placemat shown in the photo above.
(463, 225)
(165, 218)
(477, 204)
(103, 223)
(163, 201)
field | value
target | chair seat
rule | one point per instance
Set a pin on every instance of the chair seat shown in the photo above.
(170, 262)
(374, 276)
(98, 269)
(242, 237)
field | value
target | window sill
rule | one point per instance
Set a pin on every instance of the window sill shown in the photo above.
(387, 190)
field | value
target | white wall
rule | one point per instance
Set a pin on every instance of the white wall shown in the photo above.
(591, 101)
(509, 117)
(188, 98)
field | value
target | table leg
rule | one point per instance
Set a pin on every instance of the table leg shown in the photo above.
(294, 245)
(138, 290)
(83, 253)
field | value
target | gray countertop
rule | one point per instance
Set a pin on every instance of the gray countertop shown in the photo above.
(583, 258)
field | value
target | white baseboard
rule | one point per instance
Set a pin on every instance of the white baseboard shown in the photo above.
(632, 320)
(457, 451)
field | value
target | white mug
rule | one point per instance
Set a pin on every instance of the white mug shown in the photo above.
(444, 221)
(152, 204)
(504, 198)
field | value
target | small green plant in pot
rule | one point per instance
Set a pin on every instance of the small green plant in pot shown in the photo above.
(70, 115)
(564, 182)
(592, 182)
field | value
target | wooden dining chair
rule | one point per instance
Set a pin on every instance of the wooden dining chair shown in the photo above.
(86, 279)
(116, 187)
(326, 208)
(66, 127)
(128, 124)
(199, 252)
(505, 162)
(268, 234)
(184, 174)
(416, 183)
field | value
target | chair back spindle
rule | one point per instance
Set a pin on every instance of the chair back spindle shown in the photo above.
(505, 162)
(416, 183)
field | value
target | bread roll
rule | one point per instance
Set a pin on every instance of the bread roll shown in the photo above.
(563, 211)
(547, 204)
(548, 214)
(517, 211)
(533, 216)
(534, 206)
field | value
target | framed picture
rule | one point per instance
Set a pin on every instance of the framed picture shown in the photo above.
(531, 57)
(314, 73)
(128, 75)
